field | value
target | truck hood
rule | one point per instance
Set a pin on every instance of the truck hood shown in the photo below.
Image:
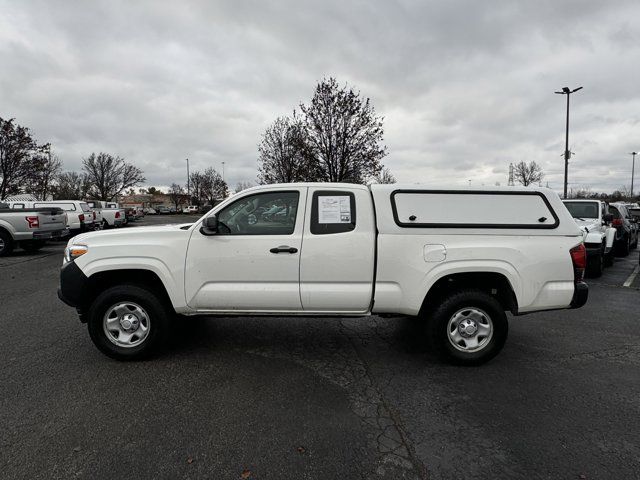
(122, 235)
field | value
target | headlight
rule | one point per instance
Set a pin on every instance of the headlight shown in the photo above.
(74, 251)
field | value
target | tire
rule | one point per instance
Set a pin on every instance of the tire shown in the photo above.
(472, 307)
(595, 267)
(117, 305)
(608, 258)
(32, 246)
(625, 246)
(634, 245)
(6, 243)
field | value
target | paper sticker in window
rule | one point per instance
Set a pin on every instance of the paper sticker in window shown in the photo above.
(334, 209)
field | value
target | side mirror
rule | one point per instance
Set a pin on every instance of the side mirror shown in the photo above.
(608, 218)
(209, 225)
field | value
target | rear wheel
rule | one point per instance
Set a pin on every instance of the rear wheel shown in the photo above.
(6, 243)
(129, 322)
(595, 267)
(468, 328)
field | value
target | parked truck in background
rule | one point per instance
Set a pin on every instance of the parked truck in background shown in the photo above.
(29, 228)
(594, 220)
(456, 258)
(111, 215)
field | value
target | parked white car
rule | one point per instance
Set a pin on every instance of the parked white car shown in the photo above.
(457, 258)
(595, 222)
(109, 217)
(79, 215)
(191, 209)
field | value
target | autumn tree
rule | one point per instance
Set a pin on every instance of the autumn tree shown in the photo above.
(110, 176)
(343, 136)
(281, 153)
(213, 187)
(176, 193)
(527, 173)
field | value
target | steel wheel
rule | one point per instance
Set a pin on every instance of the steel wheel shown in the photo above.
(470, 330)
(126, 324)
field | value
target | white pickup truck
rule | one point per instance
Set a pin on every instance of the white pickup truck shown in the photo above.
(110, 214)
(457, 258)
(595, 222)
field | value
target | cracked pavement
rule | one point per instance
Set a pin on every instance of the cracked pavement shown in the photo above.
(317, 398)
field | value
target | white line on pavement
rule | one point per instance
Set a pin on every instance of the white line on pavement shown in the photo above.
(632, 277)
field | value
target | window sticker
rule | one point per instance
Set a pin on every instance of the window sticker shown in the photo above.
(334, 209)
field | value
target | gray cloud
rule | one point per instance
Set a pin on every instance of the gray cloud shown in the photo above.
(465, 87)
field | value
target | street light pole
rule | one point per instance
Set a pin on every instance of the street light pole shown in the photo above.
(567, 154)
(188, 193)
(633, 167)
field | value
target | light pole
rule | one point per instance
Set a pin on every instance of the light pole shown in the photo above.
(188, 181)
(633, 167)
(567, 154)
(223, 171)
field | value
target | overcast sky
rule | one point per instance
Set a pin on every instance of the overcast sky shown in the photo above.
(465, 87)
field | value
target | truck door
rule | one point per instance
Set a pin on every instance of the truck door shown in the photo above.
(253, 263)
(338, 250)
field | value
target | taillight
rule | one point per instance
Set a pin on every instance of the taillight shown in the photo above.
(33, 222)
(117, 214)
(617, 222)
(579, 259)
(81, 217)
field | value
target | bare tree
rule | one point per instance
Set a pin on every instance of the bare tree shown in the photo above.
(214, 188)
(44, 167)
(71, 186)
(110, 175)
(343, 135)
(281, 153)
(17, 147)
(176, 193)
(243, 186)
(528, 173)
(385, 176)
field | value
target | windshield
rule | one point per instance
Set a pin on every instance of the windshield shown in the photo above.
(582, 209)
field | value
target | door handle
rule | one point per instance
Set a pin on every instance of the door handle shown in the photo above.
(284, 249)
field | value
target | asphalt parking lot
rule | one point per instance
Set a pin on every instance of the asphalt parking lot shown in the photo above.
(279, 398)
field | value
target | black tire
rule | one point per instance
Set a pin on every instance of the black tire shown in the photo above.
(6, 243)
(595, 267)
(634, 245)
(624, 246)
(609, 258)
(157, 309)
(437, 324)
(32, 246)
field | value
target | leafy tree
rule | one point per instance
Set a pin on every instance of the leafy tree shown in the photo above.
(153, 191)
(196, 180)
(213, 187)
(343, 135)
(44, 167)
(176, 193)
(527, 173)
(17, 147)
(281, 153)
(110, 176)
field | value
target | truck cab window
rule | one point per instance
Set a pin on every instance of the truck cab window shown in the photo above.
(260, 214)
(333, 212)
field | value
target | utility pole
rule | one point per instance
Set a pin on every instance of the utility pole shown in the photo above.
(633, 167)
(567, 154)
(188, 193)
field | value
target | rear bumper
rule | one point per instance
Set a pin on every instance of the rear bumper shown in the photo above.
(72, 285)
(51, 234)
(580, 295)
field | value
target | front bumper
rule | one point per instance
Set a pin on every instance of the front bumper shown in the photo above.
(580, 295)
(73, 284)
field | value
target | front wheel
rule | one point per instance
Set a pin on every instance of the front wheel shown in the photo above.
(468, 328)
(128, 322)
